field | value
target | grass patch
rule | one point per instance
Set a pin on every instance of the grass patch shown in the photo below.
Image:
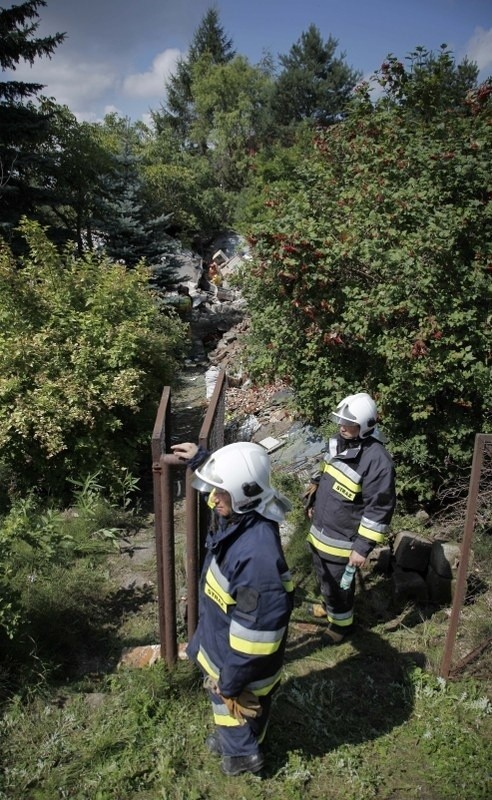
(356, 722)
(366, 719)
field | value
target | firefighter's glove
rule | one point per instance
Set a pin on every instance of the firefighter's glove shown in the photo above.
(309, 497)
(243, 707)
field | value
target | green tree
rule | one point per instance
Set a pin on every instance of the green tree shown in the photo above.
(128, 219)
(80, 160)
(179, 112)
(314, 84)
(23, 126)
(273, 171)
(431, 83)
(185, 186)
(232, 116)
(84, 353)
(373, 272)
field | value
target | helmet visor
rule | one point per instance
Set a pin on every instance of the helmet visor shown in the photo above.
(201, 485)
(343, 419)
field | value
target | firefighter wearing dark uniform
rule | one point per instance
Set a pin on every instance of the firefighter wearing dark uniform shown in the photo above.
(246, 598)
(350, 504)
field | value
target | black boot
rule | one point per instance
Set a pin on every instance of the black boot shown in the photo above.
(212, 743)
(234, 765)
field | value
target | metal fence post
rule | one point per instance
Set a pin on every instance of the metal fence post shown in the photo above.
(212, 437)
(459, 594)
(158, 445)
(168, 565)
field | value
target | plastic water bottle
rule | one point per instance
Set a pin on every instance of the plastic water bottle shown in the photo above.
(347, 577)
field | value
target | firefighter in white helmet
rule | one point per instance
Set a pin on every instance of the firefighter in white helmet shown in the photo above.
(350, 503)
(246, 598)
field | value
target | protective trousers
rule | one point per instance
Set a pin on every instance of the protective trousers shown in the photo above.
(236, 739)
(339, 603)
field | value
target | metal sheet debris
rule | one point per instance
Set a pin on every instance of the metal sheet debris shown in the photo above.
(271, 444)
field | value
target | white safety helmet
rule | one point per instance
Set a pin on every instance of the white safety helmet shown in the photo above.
(243, 470)
(357, 409)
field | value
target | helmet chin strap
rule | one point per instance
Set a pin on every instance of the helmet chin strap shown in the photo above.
(346, 443)
(355, 440)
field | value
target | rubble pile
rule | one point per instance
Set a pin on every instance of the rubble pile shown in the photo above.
(259, 413)
(252, 399)
(219, 327)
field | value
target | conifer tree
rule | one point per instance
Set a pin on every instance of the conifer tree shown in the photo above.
(23, 127)
(211, 40)
(132, 229)
(314, 84)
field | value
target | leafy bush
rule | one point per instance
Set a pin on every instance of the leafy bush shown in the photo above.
(373, 272)
(84, 354)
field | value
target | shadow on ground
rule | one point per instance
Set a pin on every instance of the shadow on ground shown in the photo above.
(339, 700)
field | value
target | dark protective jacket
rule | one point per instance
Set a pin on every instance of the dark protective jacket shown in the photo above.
(246, 599)
(355, 499)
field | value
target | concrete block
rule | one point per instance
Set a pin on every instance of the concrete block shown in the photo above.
(412, 551)
(441, 590)
(445, 558)
(409, 585)
(379, 560)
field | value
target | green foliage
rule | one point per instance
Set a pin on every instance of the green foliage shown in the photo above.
(186, 186)
(273, 170)
(23, 126)
(206, 134)
(125, 218)
(231, 102)
(373, 272)
(432, 82)
(313, 85)
(84, 355)
(79, 161)
(211, 41)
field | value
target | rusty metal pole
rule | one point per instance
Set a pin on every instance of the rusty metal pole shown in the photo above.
(157, 448)
(459, 594)
(212, 436)
(168, 564)
(192, 560)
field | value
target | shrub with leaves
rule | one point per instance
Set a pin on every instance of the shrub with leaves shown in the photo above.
(373, 271)
(84, 354)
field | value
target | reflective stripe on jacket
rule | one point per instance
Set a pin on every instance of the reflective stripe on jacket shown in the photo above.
(355, 499)
(246, 600)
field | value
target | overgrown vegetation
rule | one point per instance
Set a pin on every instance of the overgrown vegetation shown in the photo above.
(369, 222)
(364, 720)
(373, 272)
(43, 548)
(85, 353)
(369, 225)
